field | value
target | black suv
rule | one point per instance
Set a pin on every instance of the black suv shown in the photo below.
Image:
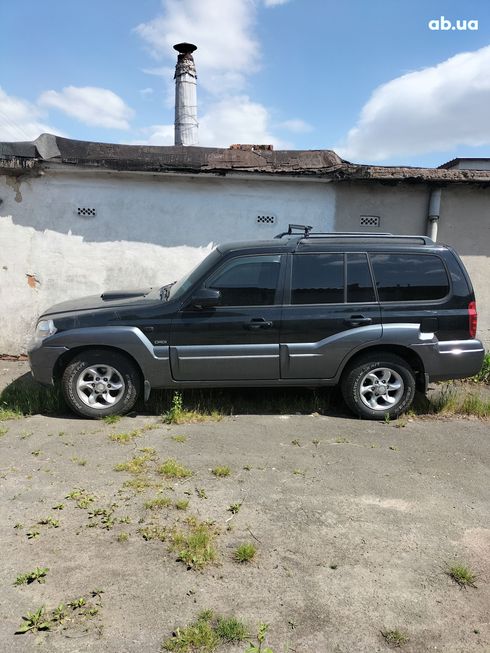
(380, 314)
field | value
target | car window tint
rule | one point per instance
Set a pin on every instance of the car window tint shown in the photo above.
(317, 279)
(409, 277)
(359, 282)
(247, 281)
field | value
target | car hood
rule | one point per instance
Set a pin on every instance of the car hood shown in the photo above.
(109, 299)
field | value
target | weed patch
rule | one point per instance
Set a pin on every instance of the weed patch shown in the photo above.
(245, 552)
(74, 612)
(173, 469)
(221, 471)
(157, 503)
(38, 574)
(24, 398)
(483, 375)
(137, 464)
(462, 575)
(395, 638)
(195, 545)
(153, 532)
(81, 497)
(206, 634)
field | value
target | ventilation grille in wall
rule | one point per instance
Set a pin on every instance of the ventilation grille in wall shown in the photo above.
(85, 212)
(370, 221)
(266, 219)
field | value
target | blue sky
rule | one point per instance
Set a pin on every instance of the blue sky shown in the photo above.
(367, 78)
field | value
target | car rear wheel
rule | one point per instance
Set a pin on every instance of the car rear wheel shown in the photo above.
(97, 383)
(378, 385)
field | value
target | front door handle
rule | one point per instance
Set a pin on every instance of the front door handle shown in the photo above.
(358, 320)
(259, 323)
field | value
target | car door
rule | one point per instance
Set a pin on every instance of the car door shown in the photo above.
(329, 310)
(237, 340)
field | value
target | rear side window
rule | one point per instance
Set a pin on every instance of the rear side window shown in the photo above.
(359, 282)
(317, 279)
(409, 277)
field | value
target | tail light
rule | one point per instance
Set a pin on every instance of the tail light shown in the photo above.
(473, 319)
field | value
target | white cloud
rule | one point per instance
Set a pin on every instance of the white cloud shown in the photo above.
(156, 135)
(296, 126)
(20, 120)
(235, 119)
(223, 31)
(146, 92)
(274, 3)
(91, 105)
(431, 110)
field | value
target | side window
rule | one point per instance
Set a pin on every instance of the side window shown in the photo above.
(409, 277)
(359, 282)
(247, 281)
(317, 279)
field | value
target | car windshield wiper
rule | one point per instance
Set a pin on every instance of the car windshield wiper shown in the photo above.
(165, 291)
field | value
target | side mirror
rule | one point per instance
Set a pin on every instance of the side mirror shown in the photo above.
(205, 298)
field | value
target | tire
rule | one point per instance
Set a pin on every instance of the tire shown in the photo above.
(378, 385)
(98, 382)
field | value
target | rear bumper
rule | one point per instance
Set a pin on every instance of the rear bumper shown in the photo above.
(42, 361)
(451, 359)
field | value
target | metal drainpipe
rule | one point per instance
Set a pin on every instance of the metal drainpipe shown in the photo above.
(434, 213)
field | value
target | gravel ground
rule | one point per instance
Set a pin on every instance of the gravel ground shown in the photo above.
(354, 522)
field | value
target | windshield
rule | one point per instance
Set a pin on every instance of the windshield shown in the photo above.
(182, 286)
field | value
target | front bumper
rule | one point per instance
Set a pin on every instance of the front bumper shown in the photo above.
(42, 361)
(451, 359)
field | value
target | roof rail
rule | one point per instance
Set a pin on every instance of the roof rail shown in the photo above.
(304, 232)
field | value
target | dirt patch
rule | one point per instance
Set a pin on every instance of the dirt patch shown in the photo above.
(353, 524)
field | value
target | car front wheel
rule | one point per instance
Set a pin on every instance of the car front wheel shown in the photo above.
(97, 383)
(379, 385)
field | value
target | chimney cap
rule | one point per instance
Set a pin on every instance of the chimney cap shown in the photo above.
(185, 48)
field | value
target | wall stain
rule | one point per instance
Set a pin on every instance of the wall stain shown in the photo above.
(32, 280)
(14, 183)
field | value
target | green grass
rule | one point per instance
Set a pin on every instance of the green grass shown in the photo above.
(230, 630)
(170, 468)
(483, 375)
(395, 638)
(111, 419)
(179, 438)
(245, 552)
(462, 575)
(157, 503)
(8, 413)
(137, 464)
(125, 438)
(221, 471)
(451, 402)
(206, 634)
(195, 545)
(182, 504)
(27, 398)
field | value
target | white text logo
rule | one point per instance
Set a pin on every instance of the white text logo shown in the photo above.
(445, 25)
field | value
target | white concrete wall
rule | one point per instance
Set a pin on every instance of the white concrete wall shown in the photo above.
(148, 230)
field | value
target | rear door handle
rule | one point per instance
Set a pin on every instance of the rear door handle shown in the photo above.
(358, 320)
(259, 323)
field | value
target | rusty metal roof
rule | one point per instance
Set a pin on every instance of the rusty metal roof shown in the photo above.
(48, 149)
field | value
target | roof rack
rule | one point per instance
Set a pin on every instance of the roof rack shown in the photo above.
(305, 233)
(304, 228)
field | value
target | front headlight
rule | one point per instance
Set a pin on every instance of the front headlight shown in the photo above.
(44, 329)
